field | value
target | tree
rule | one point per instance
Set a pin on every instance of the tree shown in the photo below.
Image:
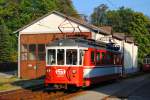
(5, 43)
(15, 14)
(136, 24)
(98, 17)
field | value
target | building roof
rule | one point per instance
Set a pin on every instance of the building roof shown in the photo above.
(78, 21)
(122, 36)
(130, 39)
(108, 29)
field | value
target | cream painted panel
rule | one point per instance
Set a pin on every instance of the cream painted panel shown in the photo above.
(50, 24)
(135, 56)
(98, 37)
(131, 58)
(128, 55)
(97, 72)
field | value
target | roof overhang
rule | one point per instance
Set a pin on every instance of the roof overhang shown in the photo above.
(80, 22)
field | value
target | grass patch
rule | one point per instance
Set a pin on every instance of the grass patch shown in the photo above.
(12, 83)
(7, 80)
(7, 87)
(5, 83)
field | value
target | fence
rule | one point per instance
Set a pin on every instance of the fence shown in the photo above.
(8, 66)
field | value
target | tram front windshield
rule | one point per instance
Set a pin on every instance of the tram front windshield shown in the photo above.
(71, 57)
(63, 57)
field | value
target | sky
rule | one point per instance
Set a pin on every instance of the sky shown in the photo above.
(86, 6)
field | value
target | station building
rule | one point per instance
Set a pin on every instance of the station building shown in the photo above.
(33, 38)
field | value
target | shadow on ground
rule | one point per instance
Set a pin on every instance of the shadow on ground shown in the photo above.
(31, 84)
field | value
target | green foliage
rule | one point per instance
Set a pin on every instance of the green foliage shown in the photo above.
(98, 17)
(15, 14)
(5, 44)
(132, 23)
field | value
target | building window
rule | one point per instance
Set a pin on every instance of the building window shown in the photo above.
(24, 56)
(60, 56)
(24, 52)
(32, 52)
(41, 52)
(71, 57)
(24, 48)
(51, 57)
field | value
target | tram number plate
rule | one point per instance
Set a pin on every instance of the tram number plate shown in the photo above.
(60, 72)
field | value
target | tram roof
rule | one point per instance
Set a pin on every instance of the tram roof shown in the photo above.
(80, 42)
(77, 42)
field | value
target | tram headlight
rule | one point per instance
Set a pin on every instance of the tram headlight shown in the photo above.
(74, 71)
(48, 70)
(147, 66)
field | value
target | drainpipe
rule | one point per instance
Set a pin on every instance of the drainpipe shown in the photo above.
(19, 76)
(123, 64)
(132, 56)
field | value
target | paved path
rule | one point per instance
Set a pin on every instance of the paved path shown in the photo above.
(8, 74)
(137, 88)
(141, 93)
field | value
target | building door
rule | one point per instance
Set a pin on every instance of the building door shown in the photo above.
(32, 60)
(36, 61)
(32, 55)
(40, 62)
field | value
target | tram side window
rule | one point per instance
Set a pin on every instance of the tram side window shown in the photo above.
(92, 57)
(148, 60)
(117, 59)
(144, 61)
(71, 57)
(98, 58)
(103, 58)
(51, 60)
(60, 56)
(108, 58)
(114, 59)
(81, 57)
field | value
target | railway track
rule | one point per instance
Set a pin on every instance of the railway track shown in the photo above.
(32, 93)
(37, 93)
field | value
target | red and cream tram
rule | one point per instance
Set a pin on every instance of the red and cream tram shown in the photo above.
(146, 65)
(81, 62)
